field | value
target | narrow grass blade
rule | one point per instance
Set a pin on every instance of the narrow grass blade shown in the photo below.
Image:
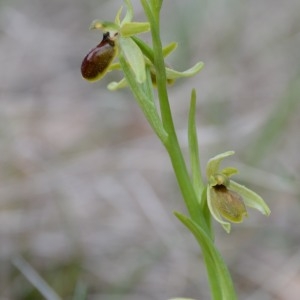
(34, 278)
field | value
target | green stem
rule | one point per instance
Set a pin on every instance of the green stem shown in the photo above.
(198, 223)
(171, 144)
(219, 277)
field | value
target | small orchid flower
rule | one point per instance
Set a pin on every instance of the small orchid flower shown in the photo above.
(116, 39)
(119, 39)
(227, 199)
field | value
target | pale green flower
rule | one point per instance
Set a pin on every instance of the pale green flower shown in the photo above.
(227, 199)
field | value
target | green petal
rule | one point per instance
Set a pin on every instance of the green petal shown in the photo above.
(114, 66)
(172, 74)
(129, 13)
(104, 26)
(148, 51)
(213, 164)
(117, 18)
(250, 198)
(167, 50)
(134, 58)
(214, 210)
(133, 28)
(113, 86)
(229, 171)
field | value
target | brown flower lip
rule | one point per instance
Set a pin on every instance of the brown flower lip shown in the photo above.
(230, 204)
(97, 61)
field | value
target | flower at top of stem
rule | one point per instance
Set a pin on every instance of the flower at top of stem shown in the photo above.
(227, 199)
(119, 39)
(116, 39)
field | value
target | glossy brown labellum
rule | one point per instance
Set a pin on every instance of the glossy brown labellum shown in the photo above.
(97, 61)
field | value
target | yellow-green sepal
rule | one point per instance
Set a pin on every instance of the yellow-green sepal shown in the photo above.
(173, 74)
(129, 12)
(250, 198)
(229, 171)
(113, 86)
(213, 164)
(134, 58)
(104, 26)
(167, 50)
(133, 28)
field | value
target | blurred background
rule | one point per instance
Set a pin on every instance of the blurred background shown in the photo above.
(86, 189)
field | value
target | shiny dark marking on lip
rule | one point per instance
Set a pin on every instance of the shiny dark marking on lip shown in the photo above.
(97, 61)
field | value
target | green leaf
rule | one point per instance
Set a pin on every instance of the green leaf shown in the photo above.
(146, 49)
(148, 107)
(193, 148)
(219, 278)
(250, 198)
(134, 58)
